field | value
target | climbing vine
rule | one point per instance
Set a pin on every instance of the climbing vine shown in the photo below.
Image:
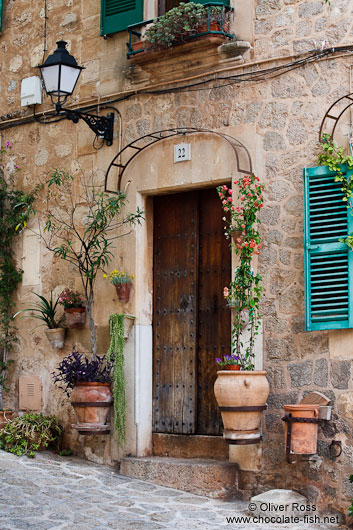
(15, 210)
(115, 355)
(333, 157)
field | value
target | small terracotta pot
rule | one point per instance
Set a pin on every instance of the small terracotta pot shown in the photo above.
(214, 26)
(56, 337)
(123, 291)
(232, 367)
(75, 317)
(304, 435)
(5, 416)
(83, 398)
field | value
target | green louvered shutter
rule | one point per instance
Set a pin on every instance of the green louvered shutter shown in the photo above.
(1, 3)
(328, 263)
(224, 2)
(117, 15)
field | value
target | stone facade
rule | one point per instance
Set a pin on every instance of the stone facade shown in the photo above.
(278, 119)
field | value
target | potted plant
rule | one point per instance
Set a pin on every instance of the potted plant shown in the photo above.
(87, 382)
(74, 308)
(84, 241)
(184, 22)
(241, 394)
(122, 282)
(45, 310)
(28, 433)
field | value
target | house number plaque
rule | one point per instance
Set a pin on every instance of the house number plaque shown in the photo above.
(182, 152)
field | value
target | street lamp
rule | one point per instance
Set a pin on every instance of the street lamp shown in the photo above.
(60, 73)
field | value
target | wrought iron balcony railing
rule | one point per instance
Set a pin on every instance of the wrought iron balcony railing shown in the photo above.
(211, 27)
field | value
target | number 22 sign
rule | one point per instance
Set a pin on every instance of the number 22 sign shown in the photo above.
(182, 152)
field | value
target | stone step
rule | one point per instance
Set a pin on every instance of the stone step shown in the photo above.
(214, 479)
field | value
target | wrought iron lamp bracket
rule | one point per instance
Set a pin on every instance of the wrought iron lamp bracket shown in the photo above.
(102, 126)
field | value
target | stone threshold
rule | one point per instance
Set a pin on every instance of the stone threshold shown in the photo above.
(190, 446)
(214, 479)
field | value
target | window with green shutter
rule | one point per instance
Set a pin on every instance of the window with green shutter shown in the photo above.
(328, 263)
(117, 15)
(1, 3)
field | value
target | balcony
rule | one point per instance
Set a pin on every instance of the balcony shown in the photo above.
(212, 21)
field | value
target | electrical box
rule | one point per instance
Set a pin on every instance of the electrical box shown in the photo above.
(30, 393)
(31, 91)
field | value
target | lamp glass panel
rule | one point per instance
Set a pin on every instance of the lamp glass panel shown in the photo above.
(69, 78)
(50, 76)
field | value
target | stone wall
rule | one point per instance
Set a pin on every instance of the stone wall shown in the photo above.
(280, 117)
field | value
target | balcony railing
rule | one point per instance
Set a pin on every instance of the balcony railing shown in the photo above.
(210, 29)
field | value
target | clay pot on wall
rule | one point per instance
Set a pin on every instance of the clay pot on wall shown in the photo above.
(241, 397)
(304, 435)
(123, 291)
(91, 402)
(5, 416)
(56, 337)
(75, 317)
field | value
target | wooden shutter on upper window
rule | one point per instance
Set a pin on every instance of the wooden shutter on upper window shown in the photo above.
(328, 263)
(224, 2)
(1, 6)
(117, 15)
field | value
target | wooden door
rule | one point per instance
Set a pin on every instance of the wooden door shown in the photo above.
(191, 324)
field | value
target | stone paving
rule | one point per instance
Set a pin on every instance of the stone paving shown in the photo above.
(58, 493)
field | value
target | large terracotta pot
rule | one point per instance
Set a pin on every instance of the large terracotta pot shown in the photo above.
(123, 291)
(75, 317)
(56, 337)
(304, 435)
(5, 416)
(241, 397)
(92, 402)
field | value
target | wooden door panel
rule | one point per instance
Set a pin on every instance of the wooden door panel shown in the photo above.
(175, 282)
(191, 324)
(213, 315)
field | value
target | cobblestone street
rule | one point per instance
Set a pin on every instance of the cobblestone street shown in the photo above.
(51, 492)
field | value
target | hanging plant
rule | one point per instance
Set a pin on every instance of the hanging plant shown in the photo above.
(115, 355)
(243, 293)
(333, 157)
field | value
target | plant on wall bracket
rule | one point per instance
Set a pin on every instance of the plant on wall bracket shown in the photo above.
(244, 291)
(115, 355)
(15, 210)
(333, 157)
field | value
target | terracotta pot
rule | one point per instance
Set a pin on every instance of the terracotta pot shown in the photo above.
(304, 435)
(140, 46)
(56, 337)
(123, 291)
(84, 397)
(235, 389)
(214, 26)
(5, 416)
(235, 367)
(75, 317)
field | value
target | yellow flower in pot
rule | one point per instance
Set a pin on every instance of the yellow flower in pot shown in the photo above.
(122, 282)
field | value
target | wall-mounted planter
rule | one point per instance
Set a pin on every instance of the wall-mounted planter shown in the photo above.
(91, 402)
(75, 317)
(300, 429)
(56, 337)
(5, 416)
(241, 397)
(123, 291)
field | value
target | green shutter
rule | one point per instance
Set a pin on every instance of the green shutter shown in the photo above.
(217, 2)
(117, 15)
(1, 3)
(328, 263)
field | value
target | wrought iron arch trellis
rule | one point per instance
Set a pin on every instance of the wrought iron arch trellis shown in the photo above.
(330, 120)
(134, 148)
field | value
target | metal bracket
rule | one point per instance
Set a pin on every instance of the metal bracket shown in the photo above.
(102, 126)
(290, 420)
(243, 409)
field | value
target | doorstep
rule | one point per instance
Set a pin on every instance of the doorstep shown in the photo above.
(190, 446)
(212, 478)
